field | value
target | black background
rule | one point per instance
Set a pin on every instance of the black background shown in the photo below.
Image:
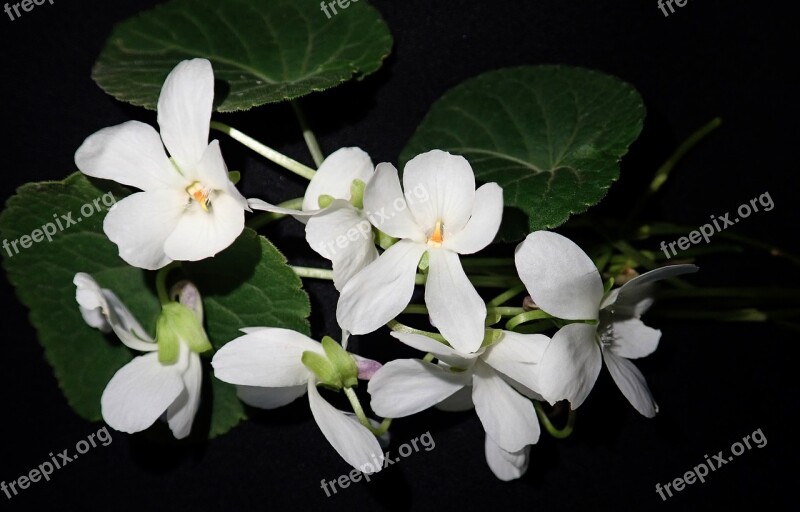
(715, 383)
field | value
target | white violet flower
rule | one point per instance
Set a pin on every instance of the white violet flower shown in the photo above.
(564, 282)
(455, 219)
(164, 382)
(188, 209)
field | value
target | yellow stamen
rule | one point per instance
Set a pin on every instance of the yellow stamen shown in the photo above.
(199, 194)
(436, 237)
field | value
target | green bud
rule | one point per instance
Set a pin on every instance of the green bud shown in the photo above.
(176, 324)
(342, 362)
(234, 176)
(424, 263)
(491, 336)
(325, 200)
(322, 369)
(608, 285)
(384, 241)
(357, 193)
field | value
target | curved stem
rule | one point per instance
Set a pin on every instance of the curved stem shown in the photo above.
(161, 282)
(527, 316)
(421, 309)
(506, 296)
(362, 418)
(308, 135)
(264, 218)
(562, 433)
(265, 151)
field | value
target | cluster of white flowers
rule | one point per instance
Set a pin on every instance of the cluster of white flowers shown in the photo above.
(190, 210)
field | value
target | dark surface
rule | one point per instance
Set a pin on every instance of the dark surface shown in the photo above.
(715, 383)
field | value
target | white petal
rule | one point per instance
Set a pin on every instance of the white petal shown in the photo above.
(570, 364)
(508, 417)
(343, 235)
(381, 290)
(131, 154)
(141, 223)
(633, 339)
(212, 172)
(517, 356)
(269, 398)
(632, 384)
(506, 465)
(560, 277)
(386, 206)
(454, 305)
(440, 187)
(442, 352)
(180, 415)
(200, 234)
(351, 440)
(482, 227)
(139, 393)
(459, 401)
(635, 297)
(92, 303)
(336, 174)
(269, 357)
(184, 111)
(407, 386)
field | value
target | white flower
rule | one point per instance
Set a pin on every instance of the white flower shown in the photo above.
(144, 389)
(564, 282)
(498, 376)
(266, 365)
(188, 209)
(455, 219)
(339, 232)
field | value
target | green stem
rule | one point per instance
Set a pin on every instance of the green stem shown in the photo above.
(356, 405)
(265, 151)
(161, 282)
(506, 296)
(421, 309)
(313, 273)
(527, 316)
(308, 135)
(664, 171)
(264, 218)
(482, 281)
(398, 327)
(562, 433)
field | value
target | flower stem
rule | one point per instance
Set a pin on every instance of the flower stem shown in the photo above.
(482, 281)
(308, 135)
(421, 309)
(161, 282)
(356, 405)
(265, 151)
(562, 433)
(264, 218)
(526, 316)
(506, 296)
(313, 273)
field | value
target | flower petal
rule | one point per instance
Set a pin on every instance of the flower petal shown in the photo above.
(139, 393)
(482, 227)
(407, 386)
(633, 339)
(343, 235)
(381, 290)
(517, 356)
(570, 364)
(508, 417)
(440, 187)
(442, 352)
(180, 415)
(268, 357)
(184, 111)
(635, 297)
(141, 223)
(632, 384)
(560, 277)
(454, 305)
(269, 398)
(459, 401)
(336, 174)
(200, 234)
(131, 154)
(351, 440)
(212, 172)
(386, 206)
(506, 465)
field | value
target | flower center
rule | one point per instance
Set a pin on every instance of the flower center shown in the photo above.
(605, 331)
(200, 194)
(436, 237)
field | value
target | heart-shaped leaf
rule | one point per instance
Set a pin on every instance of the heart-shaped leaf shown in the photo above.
(551, 136)
(262, 51)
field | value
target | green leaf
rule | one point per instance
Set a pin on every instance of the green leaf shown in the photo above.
(551, 136)
(249, 284)
(262, 51)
